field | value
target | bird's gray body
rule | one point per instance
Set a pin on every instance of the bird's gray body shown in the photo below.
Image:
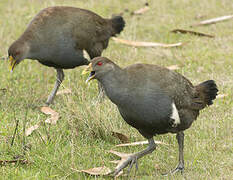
(154, 100)
(144, 95)
(57, 36)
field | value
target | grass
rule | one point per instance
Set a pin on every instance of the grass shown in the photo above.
(83, 133)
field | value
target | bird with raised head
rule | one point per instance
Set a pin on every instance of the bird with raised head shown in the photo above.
(152, 99)
(57, 36)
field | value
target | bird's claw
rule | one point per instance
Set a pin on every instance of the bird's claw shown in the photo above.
(130, 160)
(179, 168)
(134, 161)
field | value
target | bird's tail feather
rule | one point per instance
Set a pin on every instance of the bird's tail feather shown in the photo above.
(118, 24)
(206, 93)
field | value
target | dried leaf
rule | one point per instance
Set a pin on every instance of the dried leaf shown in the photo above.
(47, 110)
(191, 32)
(21, 161)
(173, 67)
(65, 91)
(97, 171)
(141, 10)
(221, 96)
(157, 166)
(123, 138)
(54, 115)
(214, 20)
(145, 44)
(139, 143)
(31, 129)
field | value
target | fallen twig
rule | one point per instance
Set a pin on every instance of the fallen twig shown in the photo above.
(213, 21)
(16, 128)
(146, 44)
(221, 96)
(191, 32)
(3, 89)
(21, 161)
(139, 143)
(141, 10)
(97, 171)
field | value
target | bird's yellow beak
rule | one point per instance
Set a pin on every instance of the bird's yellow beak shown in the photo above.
(87, 70)
(12, 63)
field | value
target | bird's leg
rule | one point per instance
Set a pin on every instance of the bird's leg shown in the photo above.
(180, 166)
(60, 77)
(132, 159)
(180, 139)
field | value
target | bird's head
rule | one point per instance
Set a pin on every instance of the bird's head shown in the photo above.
(98, 68)
(16, 53)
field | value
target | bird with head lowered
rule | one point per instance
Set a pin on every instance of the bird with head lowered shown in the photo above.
(57, 36)
(152, 99)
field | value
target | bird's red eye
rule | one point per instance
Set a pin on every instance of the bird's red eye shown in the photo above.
(17, 53)
(99, 63)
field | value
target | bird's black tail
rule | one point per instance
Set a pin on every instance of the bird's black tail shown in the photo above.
(118, 24)
(207, 92)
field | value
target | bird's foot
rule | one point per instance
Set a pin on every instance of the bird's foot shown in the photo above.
(47, 103)
(49, 100)
(131, 160)
(179, 168)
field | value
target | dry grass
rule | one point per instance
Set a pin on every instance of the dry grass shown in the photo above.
(83, 133)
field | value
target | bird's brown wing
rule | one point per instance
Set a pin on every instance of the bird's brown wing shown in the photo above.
(179, 88)
(92, 32)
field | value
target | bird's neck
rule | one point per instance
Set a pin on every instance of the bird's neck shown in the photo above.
(115, 85)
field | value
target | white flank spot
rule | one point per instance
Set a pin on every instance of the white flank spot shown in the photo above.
(175, 115)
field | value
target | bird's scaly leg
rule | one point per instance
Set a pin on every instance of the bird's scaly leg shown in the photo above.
(132, 159)
(60, 77)
(180, 166)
